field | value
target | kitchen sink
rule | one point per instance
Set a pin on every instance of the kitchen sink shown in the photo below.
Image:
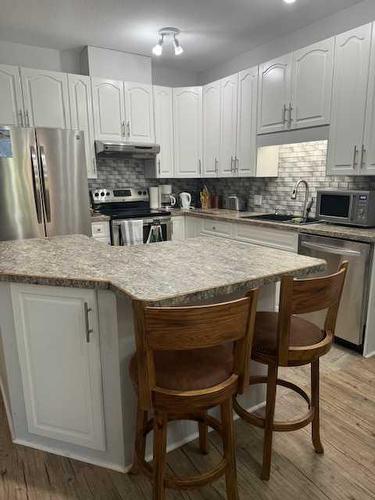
(289, 219)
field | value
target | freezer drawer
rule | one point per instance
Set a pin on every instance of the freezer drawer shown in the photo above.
(353, 309)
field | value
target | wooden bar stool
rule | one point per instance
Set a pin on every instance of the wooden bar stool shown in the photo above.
(283, 339)
(188, 360)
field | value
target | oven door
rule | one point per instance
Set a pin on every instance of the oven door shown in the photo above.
(336, 207)
(154, 230)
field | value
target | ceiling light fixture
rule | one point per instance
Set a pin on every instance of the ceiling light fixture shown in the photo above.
(168, 33)
(289, 1)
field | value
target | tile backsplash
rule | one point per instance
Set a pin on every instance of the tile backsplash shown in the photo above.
(303, 160)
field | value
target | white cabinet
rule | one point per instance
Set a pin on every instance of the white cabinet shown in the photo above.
(46, 98)
(109, 109)
(100, 231)
(228, 135)
(11, 105)
(187, 109)
(367, 165)
(58, 346)
(312, 75)
(247, 122)
(217, 228)
(178, 228)
(352, 59)
(163, 110)
(274, 102)
(211, 128)
(139, 112)
(81, 114)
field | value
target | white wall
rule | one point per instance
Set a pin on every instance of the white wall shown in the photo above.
(344, 20)
(39, 57)
(173, 77)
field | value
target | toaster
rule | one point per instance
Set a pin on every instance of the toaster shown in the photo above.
(233, 202)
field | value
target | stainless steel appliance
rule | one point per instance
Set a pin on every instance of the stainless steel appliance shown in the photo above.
(351, 320)
(233, 202)
(354, 208)
(130, 203)
(43, 183)
(127, 149)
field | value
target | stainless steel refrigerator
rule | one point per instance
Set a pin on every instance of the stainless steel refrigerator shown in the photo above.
(43, 183)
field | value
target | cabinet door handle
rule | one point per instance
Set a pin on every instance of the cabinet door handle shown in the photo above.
(363, 152)
(200, 166)
(89, 330)
(123, 128)
(231, 164)
(290, 109)
(236, 164)
(216, 166)
(20, 117)
(128, 128)
(159, 171)
(27, 119)
(284, 113)
(355, 152)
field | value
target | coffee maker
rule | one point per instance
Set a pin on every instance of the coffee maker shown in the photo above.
(166, 197)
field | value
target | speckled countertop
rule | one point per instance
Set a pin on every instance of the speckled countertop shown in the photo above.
(366, 235)
(169, 272)
(99, 218)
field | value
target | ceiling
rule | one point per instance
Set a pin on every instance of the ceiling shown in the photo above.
(213, 31)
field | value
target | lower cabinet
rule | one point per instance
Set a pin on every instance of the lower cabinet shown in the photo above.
(178, 228)
(101, 232)
(57, 337)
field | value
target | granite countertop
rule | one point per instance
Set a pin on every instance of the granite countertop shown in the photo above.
(366, 235)
(169, 272)
(99, 218)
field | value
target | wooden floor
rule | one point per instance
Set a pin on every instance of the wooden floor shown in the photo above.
(346, 471)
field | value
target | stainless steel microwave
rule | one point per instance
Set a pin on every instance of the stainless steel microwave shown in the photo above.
(353, 208)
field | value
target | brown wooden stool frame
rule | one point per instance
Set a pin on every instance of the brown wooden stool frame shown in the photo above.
(296, 297)
(190, 328)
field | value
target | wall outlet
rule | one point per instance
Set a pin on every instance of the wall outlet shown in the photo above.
(258, 200)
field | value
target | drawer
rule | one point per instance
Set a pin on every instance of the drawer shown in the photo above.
(269, 237)
(100, 229)
(218, 228)
(105, 239)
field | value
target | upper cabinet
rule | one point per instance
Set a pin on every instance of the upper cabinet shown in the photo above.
(274, 102)
(163, 111)
(109, 109)
(139, 112)
(295, 89)
(211, 128)
(81, 114)
(11, 105)
(228, 135)
(346, 139)
(187, 109)
(246, 155)
(46, 98)
(367, 164)
(312, 74)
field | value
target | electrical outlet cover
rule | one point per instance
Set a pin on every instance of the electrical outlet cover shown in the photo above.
(258, 200)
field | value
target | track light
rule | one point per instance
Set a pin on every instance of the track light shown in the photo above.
(172, 33)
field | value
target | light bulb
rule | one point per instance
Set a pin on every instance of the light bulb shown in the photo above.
(157, 50)
(289, 1)
(177, 47)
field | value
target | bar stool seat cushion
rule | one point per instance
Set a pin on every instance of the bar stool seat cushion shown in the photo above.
(190, 370)
(303, 333)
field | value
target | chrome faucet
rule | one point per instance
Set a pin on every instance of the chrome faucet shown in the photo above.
(293, 196)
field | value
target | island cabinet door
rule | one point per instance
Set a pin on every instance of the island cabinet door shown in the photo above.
(58, 346)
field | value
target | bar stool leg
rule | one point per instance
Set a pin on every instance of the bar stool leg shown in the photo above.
(203, 436)
(160, 455)
(269, 418)
(140, 439)
(315, 403)
(229, 449)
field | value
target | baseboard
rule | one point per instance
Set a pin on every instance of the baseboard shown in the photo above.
(74, 456)
(369, 354)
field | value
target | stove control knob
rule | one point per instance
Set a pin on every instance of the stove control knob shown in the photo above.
(96, 194)
(108, 194)
(144, 192)
(139, 192)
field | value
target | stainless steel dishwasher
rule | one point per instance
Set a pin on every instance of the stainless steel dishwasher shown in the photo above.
(351, 321)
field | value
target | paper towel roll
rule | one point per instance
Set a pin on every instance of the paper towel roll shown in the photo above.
(154, 197)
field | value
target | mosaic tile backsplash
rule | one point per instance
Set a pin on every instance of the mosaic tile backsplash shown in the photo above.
(303, 160)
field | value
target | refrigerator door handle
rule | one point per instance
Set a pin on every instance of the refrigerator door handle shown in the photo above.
(45, 183)
(36, 183)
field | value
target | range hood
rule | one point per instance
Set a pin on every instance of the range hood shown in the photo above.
(127, 150)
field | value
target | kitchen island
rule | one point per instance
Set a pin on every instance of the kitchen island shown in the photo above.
(67, 333)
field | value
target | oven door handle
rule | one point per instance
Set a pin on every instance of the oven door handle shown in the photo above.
(328, 249)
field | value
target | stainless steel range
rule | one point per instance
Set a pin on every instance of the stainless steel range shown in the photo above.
(132, 204)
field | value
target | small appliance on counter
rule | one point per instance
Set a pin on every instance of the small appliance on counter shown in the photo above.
(132, 204)
(185, 200)
(233, 202)
(352, 208)
(154, 196)
(167, 199)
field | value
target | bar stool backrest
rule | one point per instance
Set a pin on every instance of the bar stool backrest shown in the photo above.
(193, 327)
(301, 296)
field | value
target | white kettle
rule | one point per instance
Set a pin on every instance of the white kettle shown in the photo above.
(185, 200)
